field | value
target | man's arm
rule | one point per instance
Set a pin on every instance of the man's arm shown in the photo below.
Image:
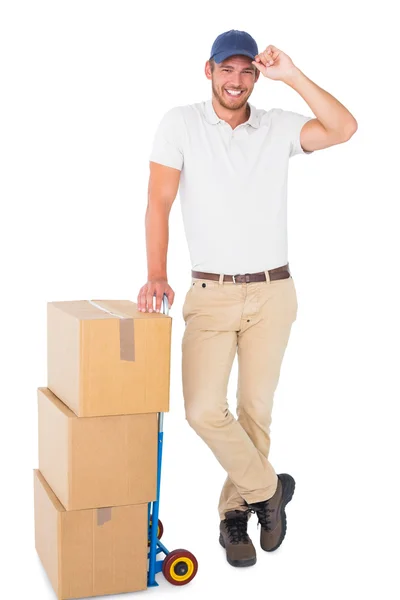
(334, 124)
(162, 191)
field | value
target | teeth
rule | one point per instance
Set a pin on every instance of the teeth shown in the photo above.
(234, 93)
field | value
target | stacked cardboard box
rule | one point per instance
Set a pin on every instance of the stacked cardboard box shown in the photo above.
(108, 377)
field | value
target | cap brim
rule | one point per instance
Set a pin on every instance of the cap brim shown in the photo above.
(220, 56)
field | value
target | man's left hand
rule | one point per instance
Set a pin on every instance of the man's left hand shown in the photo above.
(274, 64)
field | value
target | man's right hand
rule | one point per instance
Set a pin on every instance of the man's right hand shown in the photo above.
(157, 288)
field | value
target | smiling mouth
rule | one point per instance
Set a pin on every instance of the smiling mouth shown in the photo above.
(234, 95)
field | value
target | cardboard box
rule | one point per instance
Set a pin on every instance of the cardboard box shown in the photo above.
(105, 357)
(90, 552)
(96, 461)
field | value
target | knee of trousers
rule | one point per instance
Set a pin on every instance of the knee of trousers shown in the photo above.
(201, 418)
(259, 416)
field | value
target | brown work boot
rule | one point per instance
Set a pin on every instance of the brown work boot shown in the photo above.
(240, 551)
(271, 513)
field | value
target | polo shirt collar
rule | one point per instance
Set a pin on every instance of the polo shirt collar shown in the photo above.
(213, 118)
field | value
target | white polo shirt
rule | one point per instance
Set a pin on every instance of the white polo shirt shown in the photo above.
(233, 184)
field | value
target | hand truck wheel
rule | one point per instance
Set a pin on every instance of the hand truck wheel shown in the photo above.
(179, 567)
(160, 530)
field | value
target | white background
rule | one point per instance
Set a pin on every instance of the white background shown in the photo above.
(84, 85)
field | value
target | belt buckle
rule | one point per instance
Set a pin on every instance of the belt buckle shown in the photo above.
(246, 277)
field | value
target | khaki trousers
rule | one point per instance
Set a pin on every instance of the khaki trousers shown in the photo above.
(253, 319)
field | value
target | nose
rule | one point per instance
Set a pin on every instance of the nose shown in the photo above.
(236, 81)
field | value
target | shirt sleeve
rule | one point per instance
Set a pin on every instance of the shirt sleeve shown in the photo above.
(167, 147)
(293, 123)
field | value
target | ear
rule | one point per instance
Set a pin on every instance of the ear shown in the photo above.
(207, 70)
(257, 74)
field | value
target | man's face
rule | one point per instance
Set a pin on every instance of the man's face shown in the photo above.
(235, 74)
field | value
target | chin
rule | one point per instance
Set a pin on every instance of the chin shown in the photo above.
(234, 103)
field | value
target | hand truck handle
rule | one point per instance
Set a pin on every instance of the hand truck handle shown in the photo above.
(165, 304)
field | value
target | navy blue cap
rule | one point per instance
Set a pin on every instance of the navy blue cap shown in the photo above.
(233, 42)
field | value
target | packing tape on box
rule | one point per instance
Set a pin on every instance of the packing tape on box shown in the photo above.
(126, 333)
(103, 515)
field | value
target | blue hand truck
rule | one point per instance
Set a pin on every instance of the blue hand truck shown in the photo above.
(180, 566)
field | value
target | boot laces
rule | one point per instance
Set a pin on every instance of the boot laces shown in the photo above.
(263, 511)
(237, 529)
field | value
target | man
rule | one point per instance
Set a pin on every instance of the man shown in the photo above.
(231, 162)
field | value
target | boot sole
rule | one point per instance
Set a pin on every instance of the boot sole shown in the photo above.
(247, 562)
(288, 485)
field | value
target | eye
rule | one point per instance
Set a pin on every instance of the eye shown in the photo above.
(230, 71)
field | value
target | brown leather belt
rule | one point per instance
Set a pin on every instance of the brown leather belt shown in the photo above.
(277, 273)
